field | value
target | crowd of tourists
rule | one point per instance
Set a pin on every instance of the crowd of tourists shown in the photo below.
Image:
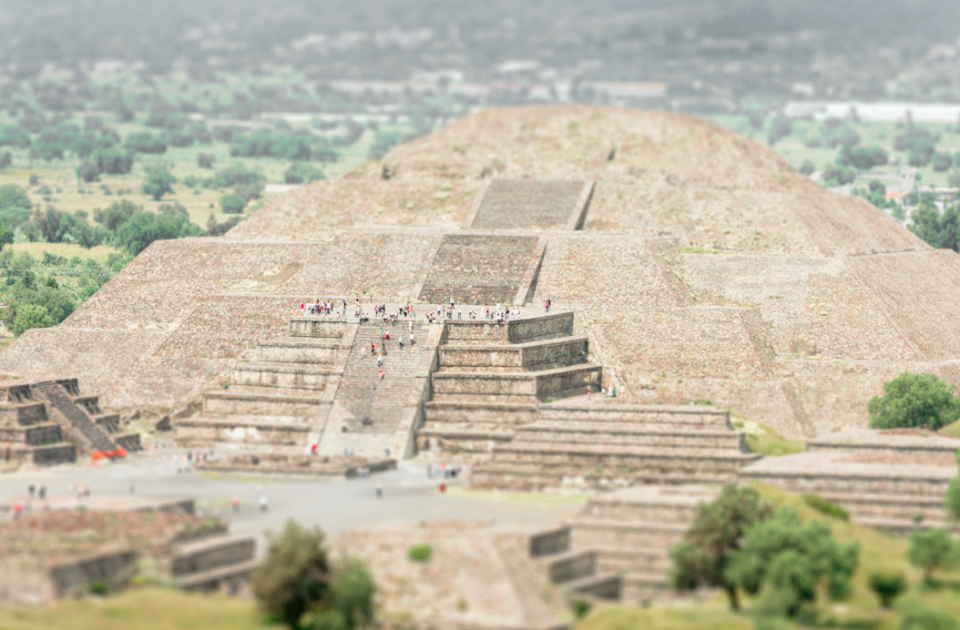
(452, 311)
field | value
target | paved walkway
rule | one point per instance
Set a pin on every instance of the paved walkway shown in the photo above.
(335, 505)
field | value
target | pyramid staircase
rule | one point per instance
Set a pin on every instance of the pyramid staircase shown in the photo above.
(604, 445)
(280, 400)
(48, 422)
(492, 378)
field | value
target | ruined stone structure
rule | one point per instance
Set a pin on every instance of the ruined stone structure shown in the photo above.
(48, 422)
(696, 263)
(56, 551)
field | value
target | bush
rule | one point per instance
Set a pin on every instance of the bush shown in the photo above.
(31, 316)
(206, 160)
(931, 550)
(232, 204)
(951, 499)
(887, 587)
(143, 142)
(303, 173)
(916, 616)
(807, 168)
(420, 553)
(295, 574)
(922, 401)
(826, 507)
(838, 175)
(143, 228)
(159, 181)
(236, 175)
(99, 587)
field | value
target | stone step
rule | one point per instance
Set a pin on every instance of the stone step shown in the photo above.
(322, 327)
(515, 331)
(242, 430)
(920, 481)
(237, 400)
(129, 441)
(109, 422)
(43, 455)
(23, 414)
(617, 559)
(39, 434)
(634, 435)
(662, 511)
(888, 505)
(610, 412)
(211, 553)
(215, 579)
(568, 566)
(492, 413)
(608, 587)
(531, 356)
(526, 477)
(90, 403)
(285, 375)
(472, 399)
(541, 385)
(299, 350)
(904, 526)
(588, 455)
(589, 533)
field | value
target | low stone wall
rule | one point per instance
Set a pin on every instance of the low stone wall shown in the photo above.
(258, 375)
(570, 568)
(228, 402)
(31, 435)
(521, 356)
(317, 327)
(510, 332)
(440, 412)
(50, 455)
(516, 384)
(243, 433)
(128, 441)
(114, 568)
(692, 416)
(636, 436)
(550, 542)
(205, 555)
(22, 414)
(557, 382)
(851, 482)
(312, 465)
(299, 350)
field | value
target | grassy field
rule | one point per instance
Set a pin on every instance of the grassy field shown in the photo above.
(100, 253)
(141, 609)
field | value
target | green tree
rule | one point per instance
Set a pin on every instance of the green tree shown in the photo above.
(887, 587)
(303, 173)
(206, 160)
(143, 228)
(6, 234)
(953, 179)
(232, 204)
(31, 316)
(115, 214)
(916, 616)
(88, 171)
(15, 204)
(807, 168)
(716, 533)
(941, 162)
(295, 574)
(931, 550)
(920, 401)
(780, 129)
(786, 561)
(144, 142)
(352, 593)
(862, 158)
(951, 498)
(838, 175)
(159, 180)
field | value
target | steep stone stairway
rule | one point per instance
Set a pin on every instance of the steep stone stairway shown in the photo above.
(87, 435)
(370, 416)
(49, 422)
(518, 204)
(280, 400)
(606, 445)
(492, 377)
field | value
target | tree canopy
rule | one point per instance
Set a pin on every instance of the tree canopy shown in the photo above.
(919, 401)
(716, 533)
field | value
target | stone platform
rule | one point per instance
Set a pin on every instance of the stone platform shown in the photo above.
(893, 480)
